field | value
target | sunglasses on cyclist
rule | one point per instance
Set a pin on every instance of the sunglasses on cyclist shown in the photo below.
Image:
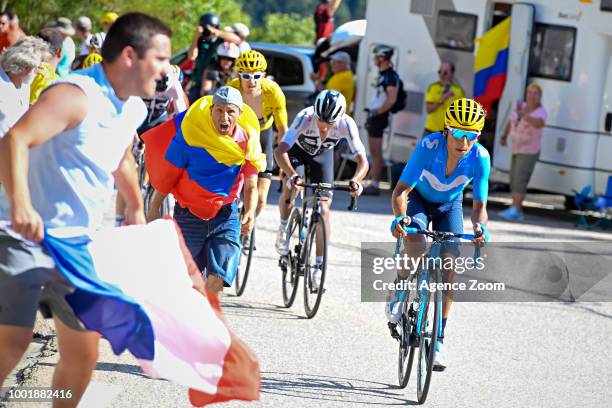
(459, 134)
(249, 75)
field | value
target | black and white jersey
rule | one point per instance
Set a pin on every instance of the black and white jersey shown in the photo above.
(305, 133)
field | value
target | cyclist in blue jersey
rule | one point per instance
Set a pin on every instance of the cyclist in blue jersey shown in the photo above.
(431, 190)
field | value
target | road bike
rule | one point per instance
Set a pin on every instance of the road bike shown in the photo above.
(420, 324)
(301, 259)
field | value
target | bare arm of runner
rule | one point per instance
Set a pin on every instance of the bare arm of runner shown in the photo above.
(126, 180)
(250, 204)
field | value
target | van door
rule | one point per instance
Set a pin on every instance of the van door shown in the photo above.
(523, 15)
(603, 164)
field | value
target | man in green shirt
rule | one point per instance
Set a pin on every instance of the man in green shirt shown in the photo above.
(203, 49)
(439, 96)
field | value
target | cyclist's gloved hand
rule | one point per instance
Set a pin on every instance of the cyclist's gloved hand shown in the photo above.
(291, 181)
(482, 234)
(398, 224)
(356, 188)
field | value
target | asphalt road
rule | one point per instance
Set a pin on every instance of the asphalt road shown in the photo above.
(500, 354)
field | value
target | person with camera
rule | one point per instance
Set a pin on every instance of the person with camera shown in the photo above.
(203, 50)
(439, 96)
(218, 74)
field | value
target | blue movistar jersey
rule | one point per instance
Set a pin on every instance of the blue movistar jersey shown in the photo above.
(426, 171)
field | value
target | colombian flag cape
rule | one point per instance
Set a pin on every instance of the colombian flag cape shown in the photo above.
(188, 158)
(491, 64)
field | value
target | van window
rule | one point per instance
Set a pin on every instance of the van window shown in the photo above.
(606, 5)
(456, 30)
(286, 69)
(552, 52)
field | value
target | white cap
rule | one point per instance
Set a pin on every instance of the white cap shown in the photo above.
(341, 56)
(241, 29)
(83, 22)
(228, 95)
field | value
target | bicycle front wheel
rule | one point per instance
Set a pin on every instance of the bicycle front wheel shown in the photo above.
(313, 284)
(430, 308)
(405, 355)
(290, 265)
(244, 264)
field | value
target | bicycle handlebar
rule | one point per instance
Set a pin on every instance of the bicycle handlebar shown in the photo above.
(328, 187)
(439, 236)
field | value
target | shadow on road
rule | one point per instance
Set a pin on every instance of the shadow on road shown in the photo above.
(132, 369)
(257, 310)
(326, 388)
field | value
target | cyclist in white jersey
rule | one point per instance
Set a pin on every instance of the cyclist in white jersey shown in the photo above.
(310, 141)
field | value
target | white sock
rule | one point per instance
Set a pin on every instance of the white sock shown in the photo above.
(284, 222)
(319, 260)
(374, 183)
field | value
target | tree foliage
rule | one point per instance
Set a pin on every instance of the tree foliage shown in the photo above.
(285, 29)
(289, 22)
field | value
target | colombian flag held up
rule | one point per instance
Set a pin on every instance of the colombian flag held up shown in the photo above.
(188, 158)
(491, 64)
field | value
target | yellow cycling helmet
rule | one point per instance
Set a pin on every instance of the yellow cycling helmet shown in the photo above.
(91, 60)
(109, 18)
(465, 114)
(251, 61)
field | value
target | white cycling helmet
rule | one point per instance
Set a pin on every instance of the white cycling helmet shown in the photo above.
(330, 106)
(228, 50)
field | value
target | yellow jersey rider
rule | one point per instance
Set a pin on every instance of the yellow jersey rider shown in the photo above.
(267, 99)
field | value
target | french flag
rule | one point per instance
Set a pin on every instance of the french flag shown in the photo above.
(139, 287)
(491, 64)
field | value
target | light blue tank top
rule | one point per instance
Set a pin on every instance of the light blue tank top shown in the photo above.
(71, 184)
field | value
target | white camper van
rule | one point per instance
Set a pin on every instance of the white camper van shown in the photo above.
(563, 45)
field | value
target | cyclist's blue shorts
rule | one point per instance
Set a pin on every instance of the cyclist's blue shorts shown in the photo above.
(445, 217)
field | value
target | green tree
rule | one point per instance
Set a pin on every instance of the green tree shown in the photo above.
(285, 29)
(181, 15)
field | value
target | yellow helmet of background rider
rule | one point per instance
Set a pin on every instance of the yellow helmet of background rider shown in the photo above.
(251, 61)
(465, 114)
(91, 60)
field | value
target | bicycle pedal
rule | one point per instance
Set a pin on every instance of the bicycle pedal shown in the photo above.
(393, 330)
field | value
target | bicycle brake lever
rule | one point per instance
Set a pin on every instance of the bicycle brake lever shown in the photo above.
(353, 205)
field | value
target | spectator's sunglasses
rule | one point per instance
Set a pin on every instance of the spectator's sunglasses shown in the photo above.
(441, 72)
(248, 75)
(459, 134)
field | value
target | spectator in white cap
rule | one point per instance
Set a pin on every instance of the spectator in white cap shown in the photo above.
(82, 27)
(18, 68)
(64, 25)
(242, 31)
(342, 78)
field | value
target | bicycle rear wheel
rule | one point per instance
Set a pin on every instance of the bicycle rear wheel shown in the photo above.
(430, 308)
(290, 263)
(244, 264)
(313, 292)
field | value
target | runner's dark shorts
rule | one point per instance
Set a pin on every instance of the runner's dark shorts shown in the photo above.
(377, 124)
(321, 166)
(29, 281)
